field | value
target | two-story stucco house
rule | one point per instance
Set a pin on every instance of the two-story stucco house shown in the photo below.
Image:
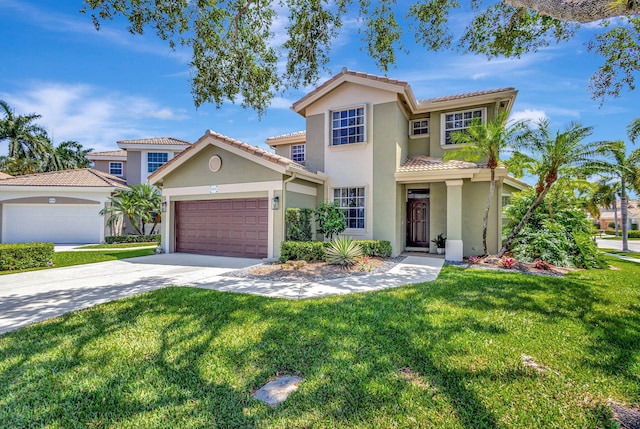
(370, 145)
(137, 159)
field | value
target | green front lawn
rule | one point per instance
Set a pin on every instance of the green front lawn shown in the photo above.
(621, 253)
(610, 237)
(445, 354)
(65, 259)
(119, 245)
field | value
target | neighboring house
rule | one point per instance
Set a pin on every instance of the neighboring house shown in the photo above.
(369, 145)
(59, 206)
(633, 216)
(137, 159)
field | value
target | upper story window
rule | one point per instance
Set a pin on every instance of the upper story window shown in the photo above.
(156, 160)
(352, 202)
(458, 121)
(347, 126)
(115, 168)
(298, 153)
(419, 127)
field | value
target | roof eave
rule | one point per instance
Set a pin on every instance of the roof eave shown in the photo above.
(508, 95)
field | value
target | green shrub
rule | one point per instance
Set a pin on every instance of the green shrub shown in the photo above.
(558, 232)
(381, 248)
(112, 239)
(343, 251)
(611, 225)
(331, 219)
(634, 226)
(630, 234)
(309, 251)
(20, 256)
(298, 224)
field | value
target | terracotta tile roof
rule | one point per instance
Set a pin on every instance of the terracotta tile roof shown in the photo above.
(462, 96)
(157, 141)
(256, 151)
(302, 133)
(345, 71)
(119, 153)
(253, 150)
(427, 163)
(4, 175)
(84, 177)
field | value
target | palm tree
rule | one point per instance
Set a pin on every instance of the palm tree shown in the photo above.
(549, 157)
(633, 130)
(485, 141)
(140, 205)
(20, 166)
(68, 155)
(26, 139)
(605, 195)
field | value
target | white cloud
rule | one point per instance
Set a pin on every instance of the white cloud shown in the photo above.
(92, 116)
(528, 115)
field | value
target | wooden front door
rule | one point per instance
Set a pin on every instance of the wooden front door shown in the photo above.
(418, 222)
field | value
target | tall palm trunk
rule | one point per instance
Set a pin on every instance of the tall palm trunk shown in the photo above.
(507, 244)
(623, 213)
(615, 214)
(485, 219)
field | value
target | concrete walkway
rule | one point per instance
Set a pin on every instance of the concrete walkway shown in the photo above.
(33, 296)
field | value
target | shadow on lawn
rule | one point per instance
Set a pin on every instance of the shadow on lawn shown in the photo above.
(183, 357)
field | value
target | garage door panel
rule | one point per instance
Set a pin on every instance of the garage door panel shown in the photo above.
(237, 227)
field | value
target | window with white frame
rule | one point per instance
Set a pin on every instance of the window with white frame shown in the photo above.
(348, 126)
(458, 121)
(115, 168)
(419, 127)
(352, 202)
(156, 160)
(298, 153)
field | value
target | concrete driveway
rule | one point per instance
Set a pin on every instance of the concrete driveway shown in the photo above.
(603, 243)
(37, 295)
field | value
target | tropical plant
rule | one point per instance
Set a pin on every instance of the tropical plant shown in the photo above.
(558, 231)
(26, 139)
(626, 171)
(440, 241)
(550, 156)
(140, 205)
(330, 219)
(19, 166)
(605, 194)
(69, 155)
(343, 251)
(485, 141)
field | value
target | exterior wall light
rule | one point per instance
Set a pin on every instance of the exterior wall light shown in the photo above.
(163, 207)
(275, 203)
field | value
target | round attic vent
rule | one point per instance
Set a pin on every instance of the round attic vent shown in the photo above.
(215, 163)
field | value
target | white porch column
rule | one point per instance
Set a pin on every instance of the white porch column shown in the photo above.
(167, 220)
(454, 247)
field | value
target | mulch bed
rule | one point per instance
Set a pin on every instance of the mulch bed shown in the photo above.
(495, 263)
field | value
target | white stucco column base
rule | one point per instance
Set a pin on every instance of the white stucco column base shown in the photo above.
(453, 250)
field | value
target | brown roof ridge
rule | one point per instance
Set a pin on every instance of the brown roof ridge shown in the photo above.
(256, 151)
(465, 95)
(155, 140)
(346, 71)
(115, 152)
(76, 177)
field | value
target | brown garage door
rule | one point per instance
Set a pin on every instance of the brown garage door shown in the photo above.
(237, 227)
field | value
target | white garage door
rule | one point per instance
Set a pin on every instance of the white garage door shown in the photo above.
(49, 222)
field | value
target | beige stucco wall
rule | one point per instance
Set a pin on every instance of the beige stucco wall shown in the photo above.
(435, 124)
(438, 212)
(474, 200)
(235, 169)
(134, 159)
(389, 150)
(315, 142)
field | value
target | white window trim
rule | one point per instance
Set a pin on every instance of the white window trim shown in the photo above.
(365, 115)
(304, 153)
(443, 115)
(121, 168)
(419, 136)
(355, 231)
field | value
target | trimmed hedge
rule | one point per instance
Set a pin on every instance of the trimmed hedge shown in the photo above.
(630, 233)
(20, 256)
(311, 251)
(113, 239)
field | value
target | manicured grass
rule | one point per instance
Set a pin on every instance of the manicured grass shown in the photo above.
(610, 237)
(65, 259)
(621, 253)
(118, 245)
(445, 354)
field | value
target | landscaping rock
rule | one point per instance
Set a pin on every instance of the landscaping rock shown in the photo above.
(278, 390)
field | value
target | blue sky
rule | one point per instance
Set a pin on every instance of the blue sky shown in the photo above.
(100, 87)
